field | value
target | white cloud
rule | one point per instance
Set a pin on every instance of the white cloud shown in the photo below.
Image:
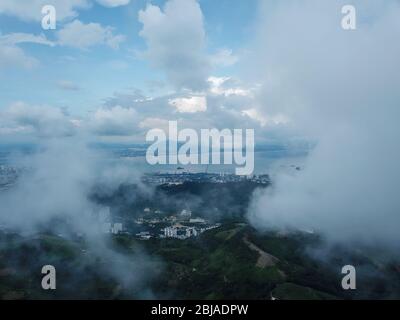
(115, 121)
(74, 34)
(42, 121)
(31, 10)
(194, 110)
(265, 120)
(154, 123)
(16, 38)
(224, 58)
(79, 35)
(189, 105)
(68, 85)
(226, 86)
(113, 3)
(341, 88)
(176, 42)
(45, 121)
(13, 56)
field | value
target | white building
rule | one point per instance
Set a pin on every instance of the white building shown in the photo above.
(144, 235)
(116, 228)
(170, 232)
(197, 220)
(191, 232)
(186, 213)
(179, 231)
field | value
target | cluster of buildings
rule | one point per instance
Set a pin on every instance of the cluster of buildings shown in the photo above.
(184, 215)
(179, 231)
(144, 235)
(180, 177)
(8, 176)
(114, 228)
(180, 226)
(107, 225)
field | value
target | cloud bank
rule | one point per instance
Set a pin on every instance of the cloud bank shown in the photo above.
(176, 41)
(31, 10)
(341, 88)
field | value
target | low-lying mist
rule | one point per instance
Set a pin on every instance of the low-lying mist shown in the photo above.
(340, 88)
(53, 197)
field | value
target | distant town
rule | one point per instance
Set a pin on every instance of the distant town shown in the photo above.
(180, 177)
(179, 226)
(152, 222)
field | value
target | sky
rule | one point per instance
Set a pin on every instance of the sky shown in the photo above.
(109, 60)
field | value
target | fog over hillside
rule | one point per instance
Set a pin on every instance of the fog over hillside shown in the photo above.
(53, 196)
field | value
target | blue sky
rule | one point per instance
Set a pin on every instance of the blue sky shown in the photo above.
(118, 68)
(99, 71)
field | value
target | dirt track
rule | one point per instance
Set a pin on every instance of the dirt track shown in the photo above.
(265, 259)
